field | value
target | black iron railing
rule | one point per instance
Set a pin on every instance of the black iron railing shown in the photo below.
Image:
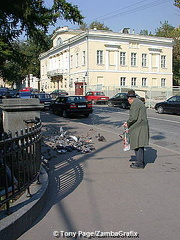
(20, 160)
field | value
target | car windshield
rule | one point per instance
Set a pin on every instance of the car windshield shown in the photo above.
(121, 95)
(99, 94)
(174, 99)
(76, 99)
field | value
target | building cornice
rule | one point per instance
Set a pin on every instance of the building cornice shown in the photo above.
(106, 36)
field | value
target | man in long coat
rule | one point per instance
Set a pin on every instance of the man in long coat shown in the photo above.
(138, 128)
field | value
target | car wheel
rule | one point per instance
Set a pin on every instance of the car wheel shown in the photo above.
(86, 115)
(160, 109)
(64, 114)
(124, 106)
(110, 104)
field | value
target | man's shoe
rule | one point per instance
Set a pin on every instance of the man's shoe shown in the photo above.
(134, 165)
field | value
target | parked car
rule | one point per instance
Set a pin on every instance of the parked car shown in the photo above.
(25, 94)
(29, 89)
(44, 98)
(121, 100)
(71, 105)
(4, 92)
(97, 97)
(26, 89)
(57, 93)
(12, 93)
(171, 105)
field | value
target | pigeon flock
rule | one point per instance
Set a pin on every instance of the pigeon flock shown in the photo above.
(63, 141)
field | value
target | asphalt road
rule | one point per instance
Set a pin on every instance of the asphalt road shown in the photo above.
(100, 192)
(164, 128)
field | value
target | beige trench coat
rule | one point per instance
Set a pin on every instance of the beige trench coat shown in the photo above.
(138, 125)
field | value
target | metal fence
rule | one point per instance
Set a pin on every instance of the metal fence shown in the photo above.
(151, 94)
(20, 160)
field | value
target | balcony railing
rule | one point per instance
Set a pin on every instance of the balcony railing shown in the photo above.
(56, 72)
(20, 160)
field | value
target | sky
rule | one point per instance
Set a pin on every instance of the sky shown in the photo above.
(118, 14)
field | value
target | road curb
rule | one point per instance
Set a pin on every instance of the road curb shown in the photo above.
(14, 225)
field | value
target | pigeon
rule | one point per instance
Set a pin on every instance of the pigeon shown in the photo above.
(74, 138)
(101, 138)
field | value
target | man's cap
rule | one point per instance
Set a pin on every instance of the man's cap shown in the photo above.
(131, 93)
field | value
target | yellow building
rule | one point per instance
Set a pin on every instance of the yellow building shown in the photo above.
(107, 61)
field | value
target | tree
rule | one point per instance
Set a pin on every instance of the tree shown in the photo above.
(98, 26)
(26, 62)
(83, 27)
(177, 3)
(176, 56)
(31, 18)
(167, 30)
(145, 32)
(94, 25)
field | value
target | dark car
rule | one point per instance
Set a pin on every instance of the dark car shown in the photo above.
(4, 92)
(121, 100)
(71, 105)
(171, 105)
(12, 93)
(97, 97)
(44, 98)
(24, 95)
(57, 93)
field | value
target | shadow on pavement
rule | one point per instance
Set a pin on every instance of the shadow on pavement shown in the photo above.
(65, 175)
(150, 155)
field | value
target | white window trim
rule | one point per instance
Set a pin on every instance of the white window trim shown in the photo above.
(99, 57)
(133, 59)
(123, 58)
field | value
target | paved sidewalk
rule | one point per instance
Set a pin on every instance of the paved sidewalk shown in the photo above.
(98, 191)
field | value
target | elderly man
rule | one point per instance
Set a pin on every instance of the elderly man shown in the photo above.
(138, 129)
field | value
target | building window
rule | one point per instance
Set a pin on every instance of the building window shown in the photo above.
(99, 57)
(122, 58)
(59, 41)
(71, 61)
(133, 59)
(144, 60)
(65, 82)
(144, 82)
(133, 81)
(122, 81)
(163, 61)
(71, 83)
(163, 82)
(83, 58)
(77, 60)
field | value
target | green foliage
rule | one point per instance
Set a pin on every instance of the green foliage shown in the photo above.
(167, 30)
(98, 26)
(94, 25)
(32, 19)
(83, 27)
(25, 60)
(177, 3)
(145, 32)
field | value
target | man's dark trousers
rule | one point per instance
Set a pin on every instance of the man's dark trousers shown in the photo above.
(139, 152)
